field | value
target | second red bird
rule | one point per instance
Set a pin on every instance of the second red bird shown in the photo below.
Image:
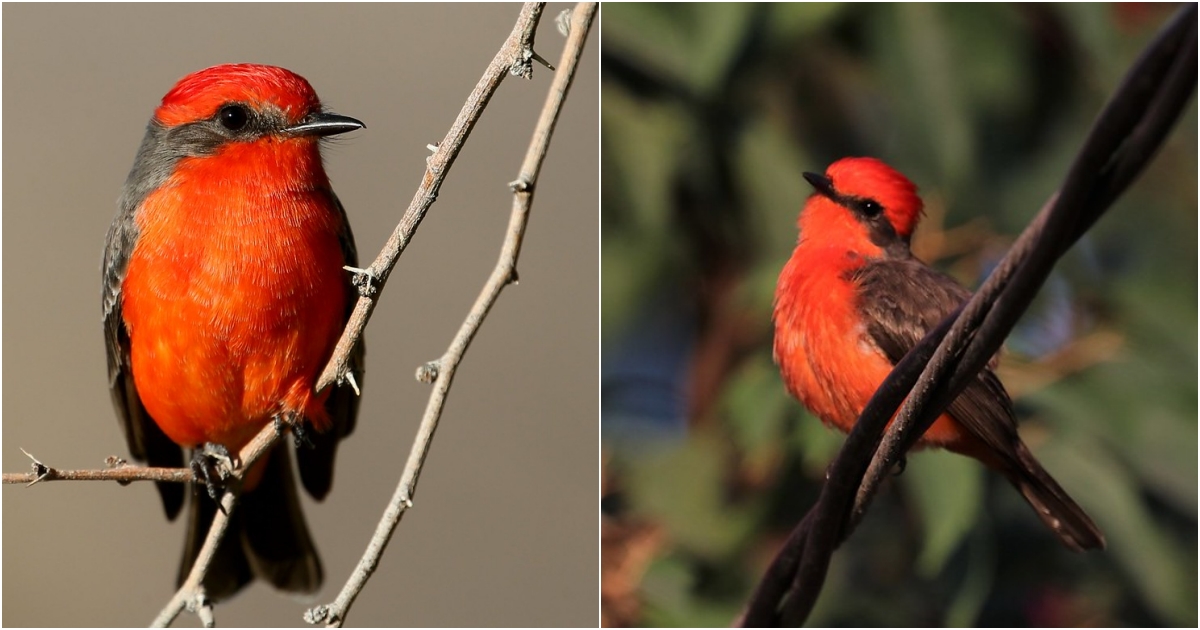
(853, 300)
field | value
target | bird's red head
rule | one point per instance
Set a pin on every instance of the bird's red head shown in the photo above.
(861, 203)
(253, 118)
(198, 95)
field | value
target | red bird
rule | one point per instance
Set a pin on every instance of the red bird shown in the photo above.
(853, 300)
(223, 297)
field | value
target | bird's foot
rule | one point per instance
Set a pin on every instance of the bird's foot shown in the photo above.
(294, 421)
(214, 465)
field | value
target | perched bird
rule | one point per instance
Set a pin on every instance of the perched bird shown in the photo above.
(224, 294)
(853, 300)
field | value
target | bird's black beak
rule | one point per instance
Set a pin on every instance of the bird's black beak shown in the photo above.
(823, 184)
(324, 124)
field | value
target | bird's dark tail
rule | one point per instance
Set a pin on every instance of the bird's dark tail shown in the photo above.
(267, 536)
(1053, 505)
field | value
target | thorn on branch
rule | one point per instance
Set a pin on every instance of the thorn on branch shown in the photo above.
(521, 184)
(538, 58)
(348, 379)
(318, 615)
(114, 462)
(428, 373)
(521, 69)
(514, 278)
(363, 280)
(202, 608)
(40, 470)
(523, 66)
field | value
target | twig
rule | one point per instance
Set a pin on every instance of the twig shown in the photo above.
(124, 473)
(118, 470)
(1119, 146)
(443, 369)
(513, 58)
(191, 593)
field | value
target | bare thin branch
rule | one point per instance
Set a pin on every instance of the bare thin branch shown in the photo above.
(123, 474)
(334, 614)
(513, 58)
(191, 593)
(118, 470)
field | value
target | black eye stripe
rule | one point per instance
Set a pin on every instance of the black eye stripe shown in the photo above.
(868, 212)
(879, 229)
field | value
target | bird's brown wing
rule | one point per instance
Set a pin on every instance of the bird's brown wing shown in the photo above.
(146, 441)
(902, 299)
(316, 463)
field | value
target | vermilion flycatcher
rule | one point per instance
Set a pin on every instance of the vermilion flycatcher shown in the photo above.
(853, 300)
(224, 295)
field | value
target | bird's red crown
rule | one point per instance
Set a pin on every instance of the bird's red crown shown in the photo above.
(198, 95)
(872, 178)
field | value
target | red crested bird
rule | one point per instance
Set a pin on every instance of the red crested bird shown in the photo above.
(224, 294)
(853, 300)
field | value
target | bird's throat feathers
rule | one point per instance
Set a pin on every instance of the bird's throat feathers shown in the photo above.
(269, 167)
(242, 204)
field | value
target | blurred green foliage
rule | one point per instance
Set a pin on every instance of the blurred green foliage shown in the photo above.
(709, 115)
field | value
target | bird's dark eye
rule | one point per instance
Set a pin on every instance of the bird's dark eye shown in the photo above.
(870, 207)
(234, 117)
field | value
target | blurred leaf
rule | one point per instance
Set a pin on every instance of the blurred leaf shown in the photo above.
(973, 590)
(922, 57)
(816, 442)
(772, 170)
(946, 489)
(1166, 579)
(754, 401)
(793, 20)
(684, 489)
(692, 46)
(635, 225)
(669, 585)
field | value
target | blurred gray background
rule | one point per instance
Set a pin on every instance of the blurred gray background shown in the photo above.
(504, 529)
